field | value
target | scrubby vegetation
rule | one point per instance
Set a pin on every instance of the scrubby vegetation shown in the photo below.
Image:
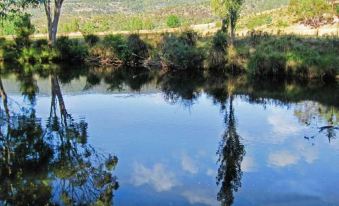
(173, 21)
(181, 52)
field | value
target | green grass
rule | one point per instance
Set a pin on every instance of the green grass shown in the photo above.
(307, 58)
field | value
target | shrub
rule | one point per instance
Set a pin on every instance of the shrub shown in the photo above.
(71, 50)
(91, 39)
(117, 44)
(88, 27)
(134, 24)
(148, 24)
(131, 50)
(179, 53)
(217, 52)
(72, 26)
(173, 21)
(23, 29)
(137, 50)
(219, 41)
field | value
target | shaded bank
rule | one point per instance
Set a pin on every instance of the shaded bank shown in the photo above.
(258, 55)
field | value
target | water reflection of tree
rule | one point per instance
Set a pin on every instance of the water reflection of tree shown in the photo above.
(324, 118)
(231, 153)
(53, 163)
(181, 86)
(117, 78)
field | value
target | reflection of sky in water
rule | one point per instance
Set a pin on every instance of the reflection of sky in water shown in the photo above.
(167, 153)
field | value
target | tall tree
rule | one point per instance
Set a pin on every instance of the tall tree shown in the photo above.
(229, 11)
(52, 11)
(53, 17)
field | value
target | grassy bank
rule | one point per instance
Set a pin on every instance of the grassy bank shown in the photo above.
(258, 55)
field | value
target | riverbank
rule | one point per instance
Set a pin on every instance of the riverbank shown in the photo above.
(258, 54)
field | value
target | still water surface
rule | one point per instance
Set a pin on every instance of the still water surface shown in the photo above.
(69, 143)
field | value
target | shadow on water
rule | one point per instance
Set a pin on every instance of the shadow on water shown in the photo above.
(50, 163)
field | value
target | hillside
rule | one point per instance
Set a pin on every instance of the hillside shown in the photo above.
(113, 15)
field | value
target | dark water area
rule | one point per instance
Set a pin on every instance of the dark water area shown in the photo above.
(140, 137)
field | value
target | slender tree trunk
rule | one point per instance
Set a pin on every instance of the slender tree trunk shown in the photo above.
(232, 36)
(53, 19)
(57, 13)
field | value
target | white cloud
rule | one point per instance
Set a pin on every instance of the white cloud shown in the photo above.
(248, 164)
(188, 164)
(282, 126)
(211, 173)
(199, 197)
(309, 153)
(160, 178)
(282, 159)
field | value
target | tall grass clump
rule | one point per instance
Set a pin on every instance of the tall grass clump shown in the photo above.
(181, 52)
(291, 56)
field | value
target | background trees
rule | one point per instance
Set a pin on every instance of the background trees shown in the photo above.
(52, 11)
(229, 11)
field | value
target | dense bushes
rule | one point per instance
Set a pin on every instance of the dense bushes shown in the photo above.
(118, 49)
(173, 21)
(91, 39)
(217, 52)
(71, 50)
(181, 52)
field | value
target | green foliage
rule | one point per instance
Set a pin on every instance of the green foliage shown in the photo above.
(88, 27)
(91, 39)
(134, 24)
(72, 26)
(173, 21)
(217, 52)
(136, 50)
(117, 44)
(291, 56)
(259, 20)
(306, 9)
(71, 50)
(115, 49)
(181, 52)
(23, 30)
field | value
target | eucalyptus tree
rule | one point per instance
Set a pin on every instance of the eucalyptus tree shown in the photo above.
(229, 11)
(52, 11)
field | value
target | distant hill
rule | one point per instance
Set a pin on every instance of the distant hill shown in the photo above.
(92, 16)
(86, 7)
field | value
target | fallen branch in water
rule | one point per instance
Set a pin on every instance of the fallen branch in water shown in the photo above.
(327, 127)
